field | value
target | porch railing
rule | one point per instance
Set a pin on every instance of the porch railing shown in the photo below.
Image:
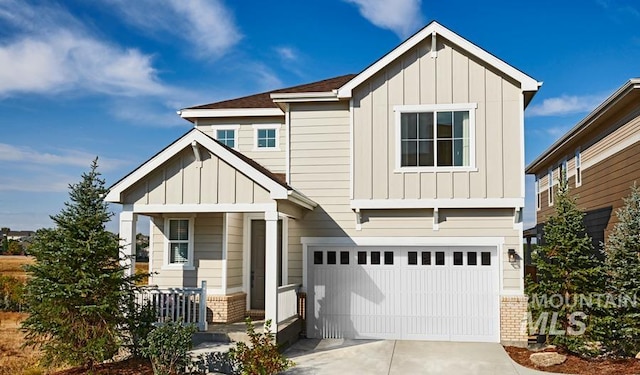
(187, 305)
(287, 302)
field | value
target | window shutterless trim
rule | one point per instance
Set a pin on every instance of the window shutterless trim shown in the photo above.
(578, 167)
(188, 265)
(275, 127)
(235, 128)
(400, 109)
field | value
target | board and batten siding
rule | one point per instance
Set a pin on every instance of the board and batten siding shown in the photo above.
(207, 253)
(183, 180)
(271, 159)
(451, 77)
(320, 170)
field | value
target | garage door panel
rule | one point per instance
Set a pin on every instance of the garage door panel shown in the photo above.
(422, 293)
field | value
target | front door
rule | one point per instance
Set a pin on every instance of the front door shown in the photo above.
(258, 230)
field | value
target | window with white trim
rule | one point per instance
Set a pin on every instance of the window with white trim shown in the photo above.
(227, 135)
(179, 240)
(266, 137)
(550, 191)
(578, 168)
(564, 175)
(435, 136)
(538, 194)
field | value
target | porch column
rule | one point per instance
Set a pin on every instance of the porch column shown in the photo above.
(128, 241)
(271, 269)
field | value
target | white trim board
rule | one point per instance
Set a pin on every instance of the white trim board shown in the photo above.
(436, 203)
(230, 112)
(194, 208)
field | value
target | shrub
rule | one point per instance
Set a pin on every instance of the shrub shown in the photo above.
(168, 348)
(11, 293)
(261, 357)
(137, 324)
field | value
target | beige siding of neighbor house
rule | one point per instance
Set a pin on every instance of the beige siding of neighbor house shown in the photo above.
(322, 130)
(272, 160)
(183, 180)
(452, 77)
(207, 253)
(234, 249)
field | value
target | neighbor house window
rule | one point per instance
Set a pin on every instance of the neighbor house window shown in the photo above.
(227, 135)
(550, 187)
(578, 168)
(538, 195)
(563, 171)
(266, 137)
(435, 136)
(179, 237)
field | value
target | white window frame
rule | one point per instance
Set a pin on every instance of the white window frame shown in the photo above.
(235, 128)
(578, 166)
(537, 189)
(257, 127)
(470, 107)
(550, 187)
(188, 265)
(563, 168)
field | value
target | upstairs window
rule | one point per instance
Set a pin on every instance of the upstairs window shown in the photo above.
(266, 137)
(538, 195)
(227, 134)
(578, 168)
(550, 187)
(563, 171)
(436, 136)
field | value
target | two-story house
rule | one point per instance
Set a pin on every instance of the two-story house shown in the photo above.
(600, 156)
(393, 198)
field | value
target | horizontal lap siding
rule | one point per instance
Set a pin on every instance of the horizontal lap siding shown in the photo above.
(272, 160)
(452, 77)
(183, 180)
(234, 249)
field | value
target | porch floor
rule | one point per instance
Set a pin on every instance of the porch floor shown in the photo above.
(235, 332)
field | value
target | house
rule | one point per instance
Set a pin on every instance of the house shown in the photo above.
(393, 198)
(600, 156)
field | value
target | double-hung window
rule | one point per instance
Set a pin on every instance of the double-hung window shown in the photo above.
(266, 137)
(538, 194)
(578, 168)
(550, 190)
(435, 136)
(179, 239)
(226, 134)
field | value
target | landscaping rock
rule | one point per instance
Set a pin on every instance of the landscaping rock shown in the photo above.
(547, 359)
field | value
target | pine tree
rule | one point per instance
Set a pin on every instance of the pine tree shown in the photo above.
(77, 286)
(622, 265)
(566, 269)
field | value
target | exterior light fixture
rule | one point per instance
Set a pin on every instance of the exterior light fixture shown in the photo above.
(512, 255)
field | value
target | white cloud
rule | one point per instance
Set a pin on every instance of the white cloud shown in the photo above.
(565, 105)
(208, 26)
(287, 53)
(64, 157)
(403, 17)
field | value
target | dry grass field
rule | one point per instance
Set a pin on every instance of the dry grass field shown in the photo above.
(15, 360)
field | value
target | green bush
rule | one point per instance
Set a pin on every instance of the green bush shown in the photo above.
(11, 293)
(261, 357)
(137, 324)
(168, 347)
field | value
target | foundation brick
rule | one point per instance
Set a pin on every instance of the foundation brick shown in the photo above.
(513, 320)
(226, 309)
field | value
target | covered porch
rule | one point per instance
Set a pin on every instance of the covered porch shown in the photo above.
(219, 218)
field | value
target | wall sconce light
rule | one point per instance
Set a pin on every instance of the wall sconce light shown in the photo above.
(512, 255)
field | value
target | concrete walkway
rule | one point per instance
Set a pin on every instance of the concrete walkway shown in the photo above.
(375, 357)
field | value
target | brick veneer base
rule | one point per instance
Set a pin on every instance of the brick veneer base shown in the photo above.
(513, 320)
(226, 309)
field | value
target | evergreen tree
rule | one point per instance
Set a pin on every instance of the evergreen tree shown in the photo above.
(567, 268)
(622, 264)
(77, 285)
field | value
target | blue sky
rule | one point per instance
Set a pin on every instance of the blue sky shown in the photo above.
(80, 79)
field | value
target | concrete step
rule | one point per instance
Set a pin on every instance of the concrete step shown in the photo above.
(212, 358)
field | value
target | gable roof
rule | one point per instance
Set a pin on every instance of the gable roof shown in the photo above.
(277, 188)
(434, 28)
(263, 101)
(627, 93)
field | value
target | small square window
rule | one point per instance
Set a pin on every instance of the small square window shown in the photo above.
(457, 258)
(413, 257)
(317, 257)
(375, 257)
(439, 258)
(344, 257)
(362, 257)
(426, 258)
(472, 258)
(227, 137)
(331, 257)
(267, 138)
(486, 258)
(388, 257)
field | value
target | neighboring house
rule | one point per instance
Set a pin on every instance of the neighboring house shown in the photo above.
(600, 156)
(392, 197)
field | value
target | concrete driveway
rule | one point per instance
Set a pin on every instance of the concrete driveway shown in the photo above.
(372, 357)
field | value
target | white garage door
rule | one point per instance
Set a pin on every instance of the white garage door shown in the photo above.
(422, 293)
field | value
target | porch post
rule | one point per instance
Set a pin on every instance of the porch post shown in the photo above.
(271, 269)
(128, 241)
